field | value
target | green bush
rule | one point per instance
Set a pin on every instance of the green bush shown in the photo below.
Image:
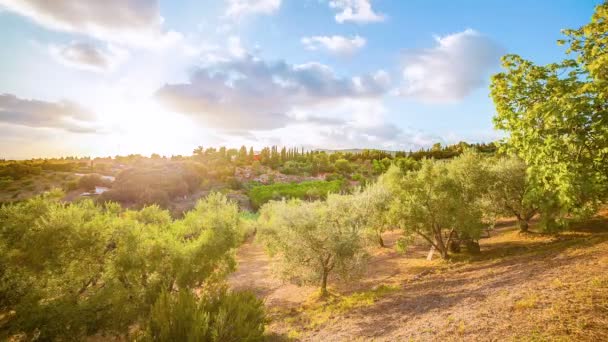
(306, 190)
(225, 316)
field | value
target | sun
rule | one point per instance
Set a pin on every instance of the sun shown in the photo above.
(144, 127)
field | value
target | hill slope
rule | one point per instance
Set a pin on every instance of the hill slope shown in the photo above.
(531, 287)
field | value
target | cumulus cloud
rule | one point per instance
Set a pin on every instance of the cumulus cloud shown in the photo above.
(239, 8)
(358, 11)
(455, 67)
(35, 113)
(386, 136)
(87, 56)
(251, 94)
(351, 123)
(135, 22)
(338, 45)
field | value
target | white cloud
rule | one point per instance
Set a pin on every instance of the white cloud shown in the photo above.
(87, 56)
(252, 94)
(358, 11)
(132, 22)
(352, 123)
(235, 48)
(456, 66)
(35, 113)
(338, 45)
(239, 8)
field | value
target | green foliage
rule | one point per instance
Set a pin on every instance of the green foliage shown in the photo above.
(439, 200)
(74, 270)
(375, 202)
(332, 177)
(557, 119)
(343, 166)
(222, 316)
(312, 239)
(17, 170)
(306, 190)
(293, 167)
(510, 192)
(178, 318)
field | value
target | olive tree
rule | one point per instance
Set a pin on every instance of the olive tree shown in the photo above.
(510, 192)
(310, 240)
(374, 203)
(75, 270)
(440, 200)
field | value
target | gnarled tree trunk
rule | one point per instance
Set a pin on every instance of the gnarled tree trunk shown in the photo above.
(323, 292)
(523, 225)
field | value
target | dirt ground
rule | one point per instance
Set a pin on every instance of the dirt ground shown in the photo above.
(529, 287)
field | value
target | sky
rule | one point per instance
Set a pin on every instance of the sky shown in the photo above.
(102, 78)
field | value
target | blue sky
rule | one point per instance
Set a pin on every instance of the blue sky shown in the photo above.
(140, 76)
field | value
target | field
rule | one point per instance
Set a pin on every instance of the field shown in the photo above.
(306, 190)
(529, 287)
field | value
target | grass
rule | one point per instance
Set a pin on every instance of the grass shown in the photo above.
(528, 302)
(315, 313)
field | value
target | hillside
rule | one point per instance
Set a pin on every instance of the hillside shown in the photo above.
(521, 287)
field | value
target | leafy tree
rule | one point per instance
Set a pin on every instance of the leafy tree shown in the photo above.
(510, 192)
(343, 166)
(251, 155)
(313, 239)
(375, 202)
(242, 155)
(439, 201)
(557, 119)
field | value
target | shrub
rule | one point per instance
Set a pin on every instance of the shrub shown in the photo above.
(333, 177)
(225, 316)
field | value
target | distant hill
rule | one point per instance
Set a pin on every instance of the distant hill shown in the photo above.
(353, 150)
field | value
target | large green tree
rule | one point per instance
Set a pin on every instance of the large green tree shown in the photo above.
(556, 117)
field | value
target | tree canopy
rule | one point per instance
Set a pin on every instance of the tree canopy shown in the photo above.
(314, 239)
(556, 116)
